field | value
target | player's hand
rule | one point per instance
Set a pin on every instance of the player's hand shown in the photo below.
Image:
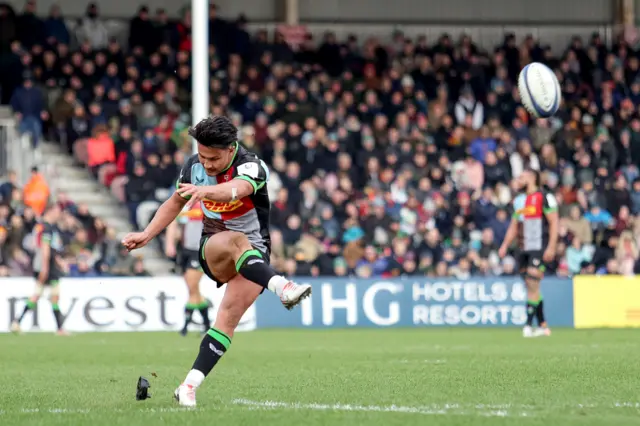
(195, 193)
(502, 252)
(549, 254)
(135, 240)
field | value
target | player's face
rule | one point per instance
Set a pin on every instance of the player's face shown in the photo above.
(524, 179)
(215, 160)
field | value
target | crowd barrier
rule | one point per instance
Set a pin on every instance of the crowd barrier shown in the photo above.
(156, 304)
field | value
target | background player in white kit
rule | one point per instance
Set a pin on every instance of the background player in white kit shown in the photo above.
(187, 228)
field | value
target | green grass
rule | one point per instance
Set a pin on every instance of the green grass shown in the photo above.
(437, 377)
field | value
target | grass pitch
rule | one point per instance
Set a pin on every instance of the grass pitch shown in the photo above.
(347, 377)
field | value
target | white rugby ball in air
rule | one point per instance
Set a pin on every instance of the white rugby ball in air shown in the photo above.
(539, 90)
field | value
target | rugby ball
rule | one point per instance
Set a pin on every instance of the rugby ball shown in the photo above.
(539, 90)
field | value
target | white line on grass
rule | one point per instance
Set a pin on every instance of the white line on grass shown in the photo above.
(433, 410)
(484, 410)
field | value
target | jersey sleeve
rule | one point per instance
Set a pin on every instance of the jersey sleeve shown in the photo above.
(518, 205)
(550, 203)
(254, 171)
(185, 173)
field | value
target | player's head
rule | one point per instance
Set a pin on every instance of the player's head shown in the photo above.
(529, 179)
(217, 143)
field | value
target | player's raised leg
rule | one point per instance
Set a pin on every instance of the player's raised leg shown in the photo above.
(252, 264)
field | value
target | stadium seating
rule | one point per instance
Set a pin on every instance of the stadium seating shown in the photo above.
(390, 159)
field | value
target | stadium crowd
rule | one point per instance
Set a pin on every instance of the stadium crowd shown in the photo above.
(387, 160)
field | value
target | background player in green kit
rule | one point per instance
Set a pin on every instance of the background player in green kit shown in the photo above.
(535, 221)
(187, 228)
(230, 184)
(48, 267)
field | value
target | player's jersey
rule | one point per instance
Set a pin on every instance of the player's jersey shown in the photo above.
(191, 221)
(249, 215)
(46, 233)
(530, 210)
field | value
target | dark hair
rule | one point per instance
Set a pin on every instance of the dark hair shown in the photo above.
(216, 131)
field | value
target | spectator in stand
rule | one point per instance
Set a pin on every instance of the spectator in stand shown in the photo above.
(36, 192)
(385, 160)
(55, 28)
(92, 29)
(141, 32)
(101, 149)
(31, 30)
(29, 108)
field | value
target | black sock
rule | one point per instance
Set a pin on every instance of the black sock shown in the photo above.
(30, 305)
(540, 314)
(214, 344)
(531, 312)
(253, 267)
(203, 308)
(188, 314)
(57, 314)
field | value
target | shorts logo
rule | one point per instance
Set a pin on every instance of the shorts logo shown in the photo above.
(536, 262)
(221, 207)
(195, 264)
(252, 261)
(215, 350)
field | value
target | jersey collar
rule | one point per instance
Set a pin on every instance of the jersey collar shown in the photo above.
(232, 158)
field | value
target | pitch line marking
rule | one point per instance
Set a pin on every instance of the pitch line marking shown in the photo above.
(483, 410)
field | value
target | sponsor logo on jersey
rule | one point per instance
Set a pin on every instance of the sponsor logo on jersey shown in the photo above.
(221, 207)
(527, 211)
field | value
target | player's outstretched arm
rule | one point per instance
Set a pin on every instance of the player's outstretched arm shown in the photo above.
(166, 214)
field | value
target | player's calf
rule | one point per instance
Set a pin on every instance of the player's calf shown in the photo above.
(240, 295)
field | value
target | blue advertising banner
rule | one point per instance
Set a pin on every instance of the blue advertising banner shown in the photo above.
(417, 302)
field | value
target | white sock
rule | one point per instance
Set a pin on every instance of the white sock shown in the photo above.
(194, 378)
(277, 283)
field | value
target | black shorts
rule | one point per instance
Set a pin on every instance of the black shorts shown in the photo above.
(531, 259)
(52, 279)
(189, 259)
(205, 267)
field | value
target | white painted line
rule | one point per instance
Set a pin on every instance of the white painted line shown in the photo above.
(484, 410)
(419, 361)
(445, 409)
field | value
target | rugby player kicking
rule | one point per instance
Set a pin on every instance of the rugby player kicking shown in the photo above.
(535, 221)
(189, 262)
(230, 184)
